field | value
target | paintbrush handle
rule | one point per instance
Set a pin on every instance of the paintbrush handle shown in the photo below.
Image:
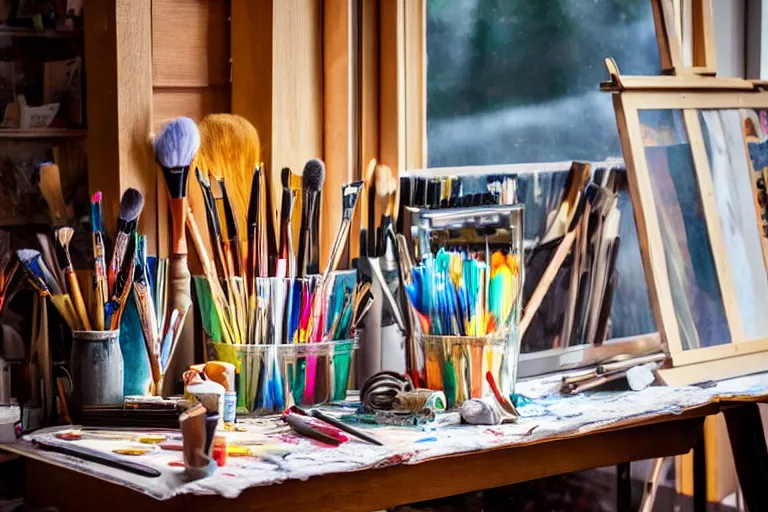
(106, 459)
(178, 206)
(77, 298)
(149, 327)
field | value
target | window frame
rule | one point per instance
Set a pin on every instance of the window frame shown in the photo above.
(409, 105)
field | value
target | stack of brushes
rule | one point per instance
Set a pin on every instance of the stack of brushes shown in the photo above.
(255, 278)
(460, 293)
(51, 272)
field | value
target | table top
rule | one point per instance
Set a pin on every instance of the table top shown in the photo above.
(659, 420)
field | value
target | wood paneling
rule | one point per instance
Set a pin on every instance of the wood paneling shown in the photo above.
(194, 102)
(190, 45)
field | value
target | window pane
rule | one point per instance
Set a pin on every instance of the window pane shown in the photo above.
(512, 81)
(738, 219)
(687, 249)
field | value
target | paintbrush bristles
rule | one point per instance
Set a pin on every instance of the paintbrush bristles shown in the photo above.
(313, 176)
(177, 143)
(131, 205)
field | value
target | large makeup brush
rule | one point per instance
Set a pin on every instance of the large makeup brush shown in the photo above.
(312, 181)
(386, 190)
(64, 237)
(175, 148)
(131, 205)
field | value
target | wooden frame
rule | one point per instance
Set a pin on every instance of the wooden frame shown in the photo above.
(740, 356)
(686, 36)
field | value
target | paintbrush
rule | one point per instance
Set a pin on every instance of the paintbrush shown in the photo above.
(147, 314)
(42, 279)
(48, 253)
(131, 205)
(386, 189)
(50, 189)
(286, 240)
(253, 226)
(64, 237)
(217, 293)
(349, 198)
(309, 250)
(123, 284)
(89, 454)
(175, 148)
(100, 289)
(214, 225)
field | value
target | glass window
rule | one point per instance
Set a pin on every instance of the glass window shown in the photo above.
(512, 81)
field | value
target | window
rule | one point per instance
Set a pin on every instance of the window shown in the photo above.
(512, 81)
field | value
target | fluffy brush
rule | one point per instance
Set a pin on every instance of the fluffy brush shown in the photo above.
(312, 181)
(175, 148)
(131, 205)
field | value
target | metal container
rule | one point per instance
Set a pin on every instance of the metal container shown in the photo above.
(96, 364)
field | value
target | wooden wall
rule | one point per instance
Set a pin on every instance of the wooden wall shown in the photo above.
(190, 58)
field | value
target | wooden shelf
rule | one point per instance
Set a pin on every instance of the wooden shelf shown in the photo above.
(6, 31)
(41, 133)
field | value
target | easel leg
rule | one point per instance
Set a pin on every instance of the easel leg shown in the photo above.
(745, 430)
(699, 476)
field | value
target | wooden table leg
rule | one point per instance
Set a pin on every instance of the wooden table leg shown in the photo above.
(623, 487)
(699, 476)
(745, 430)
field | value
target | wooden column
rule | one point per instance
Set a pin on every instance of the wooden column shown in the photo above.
(277, 83)
(118, 54)
(340, 143)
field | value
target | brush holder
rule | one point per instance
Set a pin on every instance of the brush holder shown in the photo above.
(457, 365)
(271, 378)
(96, 365)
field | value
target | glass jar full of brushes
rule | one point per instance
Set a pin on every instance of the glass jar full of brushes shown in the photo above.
(465, 296)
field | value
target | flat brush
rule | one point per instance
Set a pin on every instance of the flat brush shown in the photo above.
(50, 189)
(349, 199)
(64, 237)
(312, 181)
(131, 205)
(41, 277)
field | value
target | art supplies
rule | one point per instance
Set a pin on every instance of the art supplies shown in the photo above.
(99, 457)
(313, 427)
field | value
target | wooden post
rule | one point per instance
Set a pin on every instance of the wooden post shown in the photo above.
(118, 54)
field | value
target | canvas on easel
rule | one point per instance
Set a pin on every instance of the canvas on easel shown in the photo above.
(694, 150)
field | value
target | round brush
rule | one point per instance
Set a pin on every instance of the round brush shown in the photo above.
(386, 188)
(312, 186)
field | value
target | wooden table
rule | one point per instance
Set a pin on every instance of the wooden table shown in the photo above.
(373, 489)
